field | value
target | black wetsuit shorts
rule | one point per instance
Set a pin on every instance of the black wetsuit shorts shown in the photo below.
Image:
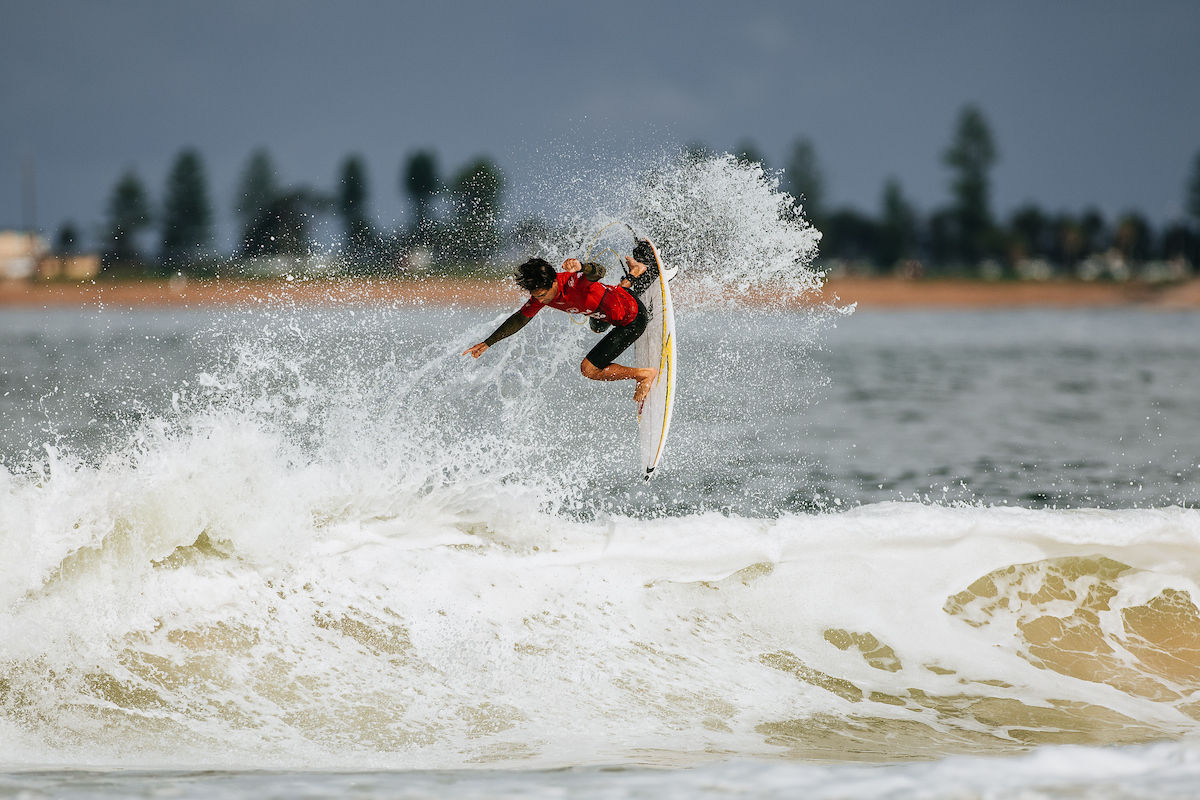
(617, 340)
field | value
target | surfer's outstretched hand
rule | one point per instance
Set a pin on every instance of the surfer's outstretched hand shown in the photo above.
(572, 265)
(476, 351)
(643, 386)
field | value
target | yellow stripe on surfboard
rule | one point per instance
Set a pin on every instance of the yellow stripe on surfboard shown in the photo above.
(667, 363)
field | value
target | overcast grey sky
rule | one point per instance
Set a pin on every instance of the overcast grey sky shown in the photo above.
(1090, 102)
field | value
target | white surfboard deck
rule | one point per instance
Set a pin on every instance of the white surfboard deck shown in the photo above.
(656, 348)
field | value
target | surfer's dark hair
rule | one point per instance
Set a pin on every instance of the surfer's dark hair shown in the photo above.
(535, 274)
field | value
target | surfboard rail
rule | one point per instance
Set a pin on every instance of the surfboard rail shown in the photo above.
(656, 348)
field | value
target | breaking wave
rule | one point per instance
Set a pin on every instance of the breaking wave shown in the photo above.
(343, 546)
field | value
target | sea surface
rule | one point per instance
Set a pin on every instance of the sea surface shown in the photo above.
(289, 552)
(927, 554)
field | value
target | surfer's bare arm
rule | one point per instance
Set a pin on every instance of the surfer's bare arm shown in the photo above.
(636, 269)
(572, 265)
(506, 329)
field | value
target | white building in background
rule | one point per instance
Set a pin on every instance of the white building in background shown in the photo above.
(27, 256)
(70, 268)
(20, 253)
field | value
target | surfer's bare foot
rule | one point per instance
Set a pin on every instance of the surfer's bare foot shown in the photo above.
(643, 385)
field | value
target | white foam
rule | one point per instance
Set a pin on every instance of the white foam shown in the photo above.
(317, 627)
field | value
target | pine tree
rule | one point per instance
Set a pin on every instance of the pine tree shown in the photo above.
(1192, 201)
(187, 213)
(475, 194)
(971, 154)
(420, 182)
(352, 205)
(352, 188)
(1134, 238)
(282, 228)
(1096, 235)
(67, 238)
(898, 226)
(804, 181)
(1031, 233)
(257, 190)
(128, 214)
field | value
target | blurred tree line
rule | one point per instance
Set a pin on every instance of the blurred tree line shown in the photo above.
(965, 238)
(454, 221)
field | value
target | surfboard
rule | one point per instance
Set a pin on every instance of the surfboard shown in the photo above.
(656, 348)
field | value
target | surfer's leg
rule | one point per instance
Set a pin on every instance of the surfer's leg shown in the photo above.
(616, 372)
(618, 340)
(598, 364)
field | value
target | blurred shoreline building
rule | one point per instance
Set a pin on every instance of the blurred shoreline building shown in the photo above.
(19, 254)
(27, 256)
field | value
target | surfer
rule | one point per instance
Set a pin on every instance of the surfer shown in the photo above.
(574, 292)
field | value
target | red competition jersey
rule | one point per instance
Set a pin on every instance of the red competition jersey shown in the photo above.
(578, 295)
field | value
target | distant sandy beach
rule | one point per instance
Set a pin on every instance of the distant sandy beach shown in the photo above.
(935, 293)
(475, 293)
